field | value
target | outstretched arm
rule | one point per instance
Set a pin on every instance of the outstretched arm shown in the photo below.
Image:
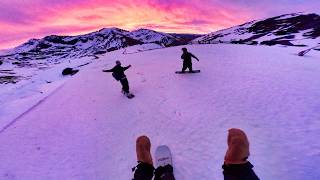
(108, 70)
(127, 67)
(194, 57)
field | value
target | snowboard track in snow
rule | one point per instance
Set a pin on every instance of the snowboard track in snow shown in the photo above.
(30, 109)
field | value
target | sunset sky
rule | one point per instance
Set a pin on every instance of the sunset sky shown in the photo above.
(21, 20)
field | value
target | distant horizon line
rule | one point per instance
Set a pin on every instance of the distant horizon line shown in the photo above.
(98, 29)
(111, 27)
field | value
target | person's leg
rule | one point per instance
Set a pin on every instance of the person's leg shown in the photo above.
(184, 67)
(164, 173)
(125, 85)
(190, 67)
(144, 170)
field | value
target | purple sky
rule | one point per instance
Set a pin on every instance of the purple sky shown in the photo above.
(21, 20)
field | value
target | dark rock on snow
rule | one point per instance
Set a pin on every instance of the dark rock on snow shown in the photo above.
(69, 71)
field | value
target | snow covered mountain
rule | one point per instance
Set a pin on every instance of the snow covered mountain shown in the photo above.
(296, 29)
(150, 36)
(54, 48)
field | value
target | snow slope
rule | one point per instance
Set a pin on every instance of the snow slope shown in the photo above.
(87, 129)
(32, 85)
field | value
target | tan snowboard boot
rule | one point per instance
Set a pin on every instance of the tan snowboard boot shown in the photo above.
(144, 169)
(143, 147)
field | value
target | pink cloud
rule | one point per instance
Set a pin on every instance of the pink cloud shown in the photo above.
(90, 18)
(41, 17)
(36, 18)
(12, 39)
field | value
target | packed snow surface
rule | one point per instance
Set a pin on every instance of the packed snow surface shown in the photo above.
(86, 129)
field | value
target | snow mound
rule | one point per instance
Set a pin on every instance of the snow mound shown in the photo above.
(141, 48)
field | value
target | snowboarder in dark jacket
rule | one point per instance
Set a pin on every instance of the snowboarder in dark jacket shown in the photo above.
(236, 166)
(118, 74)
(186, 56)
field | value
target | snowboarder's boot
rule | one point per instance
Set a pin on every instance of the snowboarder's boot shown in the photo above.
(143, 146)
(144, 169)
(163, 160)
(164, 173)
(128, 95)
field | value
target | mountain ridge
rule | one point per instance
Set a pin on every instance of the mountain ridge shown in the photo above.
(90, 44)
(295, 29)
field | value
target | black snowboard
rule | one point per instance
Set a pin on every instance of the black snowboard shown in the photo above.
(194, 71)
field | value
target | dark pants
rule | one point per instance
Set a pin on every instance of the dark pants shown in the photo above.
(144, 171)
(186, 65)
(125, 85)
(239, 171)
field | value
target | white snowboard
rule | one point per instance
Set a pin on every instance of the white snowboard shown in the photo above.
(163, 156)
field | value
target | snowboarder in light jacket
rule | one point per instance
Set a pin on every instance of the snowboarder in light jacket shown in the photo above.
(118, 74)
(187, 63)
